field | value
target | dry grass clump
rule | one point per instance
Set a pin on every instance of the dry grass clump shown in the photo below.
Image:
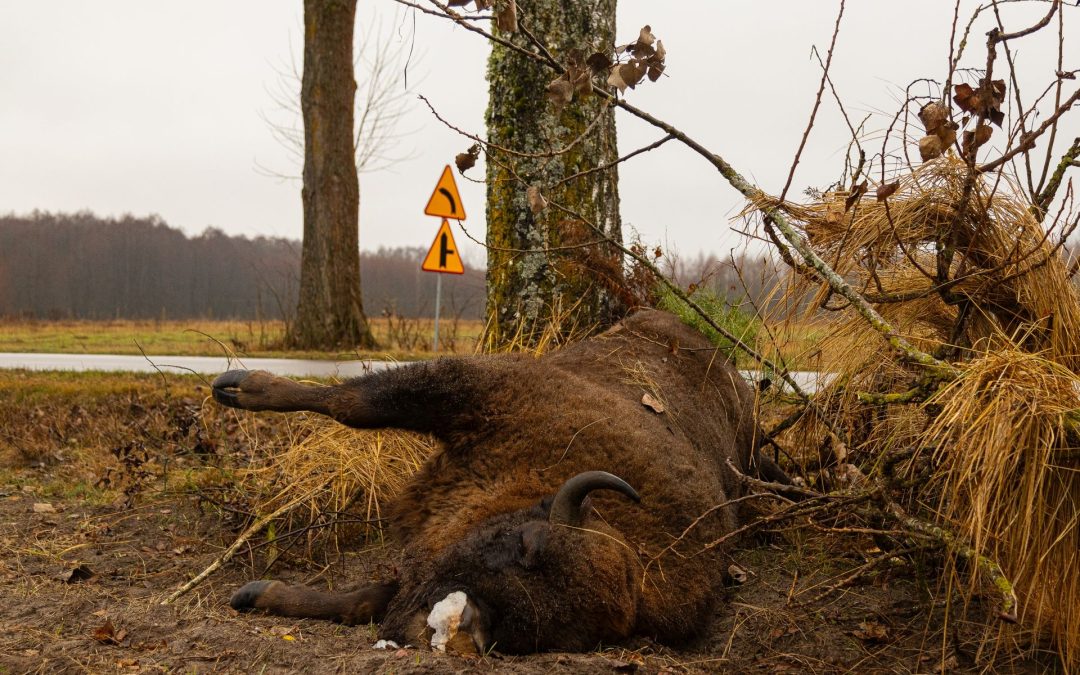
(1007, 466)
(339, 478)
(962, 269)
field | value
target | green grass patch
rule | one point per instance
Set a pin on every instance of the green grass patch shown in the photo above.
(730, 317)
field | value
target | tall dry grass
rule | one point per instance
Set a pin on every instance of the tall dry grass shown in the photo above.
(992, 455)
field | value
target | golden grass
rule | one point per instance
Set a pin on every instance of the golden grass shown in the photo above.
(341, 476)
(1008, 474)
(398, 337)
(996, 454)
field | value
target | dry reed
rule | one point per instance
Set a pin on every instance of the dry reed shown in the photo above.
(992, 455)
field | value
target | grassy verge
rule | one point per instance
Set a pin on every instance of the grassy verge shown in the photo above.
(399, 338)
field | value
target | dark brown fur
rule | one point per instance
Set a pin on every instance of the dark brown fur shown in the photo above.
(513, 430)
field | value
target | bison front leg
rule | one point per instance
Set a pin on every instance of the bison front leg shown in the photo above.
(361, 606)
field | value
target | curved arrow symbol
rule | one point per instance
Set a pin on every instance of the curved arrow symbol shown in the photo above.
(450, 198)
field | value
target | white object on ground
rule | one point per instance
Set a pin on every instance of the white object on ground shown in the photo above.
(385, 644)
(445, 617)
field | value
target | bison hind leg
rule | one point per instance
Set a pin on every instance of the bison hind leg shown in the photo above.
(363, 605)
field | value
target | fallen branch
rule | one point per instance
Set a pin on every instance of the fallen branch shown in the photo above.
(988, 567)
(225, 557)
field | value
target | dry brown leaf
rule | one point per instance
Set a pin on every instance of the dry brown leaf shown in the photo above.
(645, 36)
(652, 403)
(947, 133)
(872, 631)
(930, 147)
(44, 507)
(560, 92)
(632, 72)
(536, 201)
(973, 140)
(467, 160)
(985, 101)
(77, 574)
(933, 116)
(856, 194)
(582, 81)
(887, 190)
(598, 63)
(506, 16)
(106, 634)
(615, 78)
(965, 98)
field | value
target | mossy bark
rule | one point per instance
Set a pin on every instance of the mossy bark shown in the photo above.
(532, 288)
(330, 314)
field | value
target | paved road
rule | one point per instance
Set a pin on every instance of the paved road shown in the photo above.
(211, 365)
(207, 365)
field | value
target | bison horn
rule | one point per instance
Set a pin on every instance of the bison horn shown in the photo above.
(566, 507)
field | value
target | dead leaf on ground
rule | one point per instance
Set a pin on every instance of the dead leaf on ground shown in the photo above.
(107, 634)
(652, 403)
(77, 574)
(44, 507)
(872, 631)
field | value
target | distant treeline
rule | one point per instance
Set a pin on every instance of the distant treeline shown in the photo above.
(81, 266)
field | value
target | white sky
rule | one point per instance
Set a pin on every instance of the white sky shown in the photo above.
(134, 106)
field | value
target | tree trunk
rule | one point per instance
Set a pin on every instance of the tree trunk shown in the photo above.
(330, 313)
(572, 289)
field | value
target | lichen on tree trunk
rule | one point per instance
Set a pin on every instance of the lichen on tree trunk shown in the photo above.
(330, 313)
(530, 287)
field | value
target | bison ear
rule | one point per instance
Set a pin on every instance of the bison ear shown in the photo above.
(534, 537)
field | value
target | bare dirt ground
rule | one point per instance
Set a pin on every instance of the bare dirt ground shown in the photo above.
(98, 524)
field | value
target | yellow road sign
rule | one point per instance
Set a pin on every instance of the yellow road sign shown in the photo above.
(445, 201)
(443, 256)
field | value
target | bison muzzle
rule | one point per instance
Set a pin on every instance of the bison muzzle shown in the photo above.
(527, 522)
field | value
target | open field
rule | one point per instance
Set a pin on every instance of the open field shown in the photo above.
(399, 338)
(113, 493)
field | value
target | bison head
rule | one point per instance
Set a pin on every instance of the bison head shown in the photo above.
(551, 576)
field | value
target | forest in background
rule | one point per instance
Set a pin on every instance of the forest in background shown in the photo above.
(82, 266)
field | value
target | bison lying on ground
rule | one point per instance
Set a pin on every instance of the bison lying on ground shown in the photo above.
(513, 523)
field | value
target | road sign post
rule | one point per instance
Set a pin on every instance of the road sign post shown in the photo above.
(438, 303)
(443, 256)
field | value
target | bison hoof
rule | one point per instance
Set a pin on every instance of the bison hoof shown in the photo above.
(226, 390)
(247, 598)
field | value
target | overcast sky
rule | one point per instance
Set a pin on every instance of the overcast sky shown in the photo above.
(136, 106)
